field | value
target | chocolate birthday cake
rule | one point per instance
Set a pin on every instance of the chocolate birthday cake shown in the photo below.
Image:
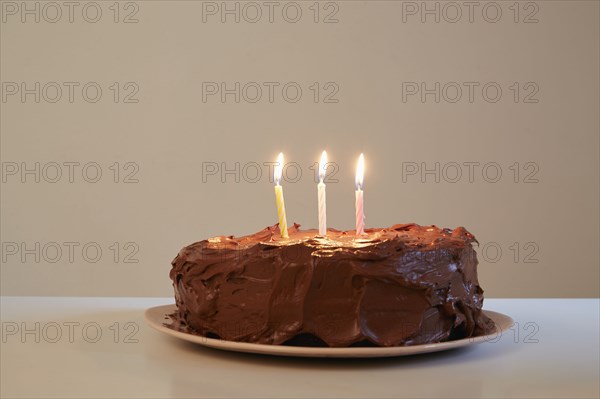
(403, 285)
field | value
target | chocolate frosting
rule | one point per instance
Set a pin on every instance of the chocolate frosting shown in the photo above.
(403, 285)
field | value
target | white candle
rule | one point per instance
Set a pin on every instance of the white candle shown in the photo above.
(279, 197)
(321, 195)
(360, 213)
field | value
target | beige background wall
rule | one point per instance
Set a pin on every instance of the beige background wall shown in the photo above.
(159, 126)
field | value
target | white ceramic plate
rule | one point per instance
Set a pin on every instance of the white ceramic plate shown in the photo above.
(156, 317)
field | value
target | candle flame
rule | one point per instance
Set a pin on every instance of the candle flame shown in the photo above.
(278, 168)
(360, 171)
(323, 166)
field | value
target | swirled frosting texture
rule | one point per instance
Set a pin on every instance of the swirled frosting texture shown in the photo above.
(403, 285)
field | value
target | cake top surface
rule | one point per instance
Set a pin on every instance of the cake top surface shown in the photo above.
(409, 235)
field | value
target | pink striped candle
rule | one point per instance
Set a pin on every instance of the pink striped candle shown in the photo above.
(360, 212)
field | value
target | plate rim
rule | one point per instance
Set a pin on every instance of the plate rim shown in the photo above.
(155, 318)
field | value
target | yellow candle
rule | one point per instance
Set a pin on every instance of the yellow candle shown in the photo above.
(279, 197)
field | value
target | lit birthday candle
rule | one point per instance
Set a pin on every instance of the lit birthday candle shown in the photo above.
(279, 197)
(360, 213)
(321, 195)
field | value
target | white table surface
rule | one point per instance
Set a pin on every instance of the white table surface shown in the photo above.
(553, 351)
